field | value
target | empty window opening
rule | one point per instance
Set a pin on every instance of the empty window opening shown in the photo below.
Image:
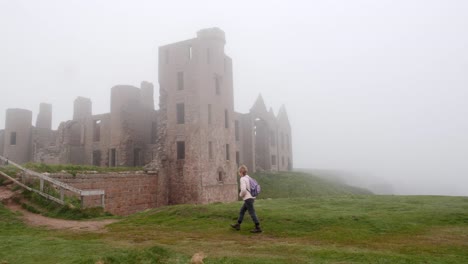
(97, 130)
(154, 132)
(180, 150)
(238, 158)
(180, 113)
(227, 152)
(209, 114)
(13, 138)
(137, 159)
(236, 130)
(210, 150)
(220, 176)
(226, 118)
(97, 158)
(217, 85)
(273, 160)
(180, 80)
(113, 156)
(190, 53)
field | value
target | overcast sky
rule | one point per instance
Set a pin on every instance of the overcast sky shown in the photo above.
(377, 88)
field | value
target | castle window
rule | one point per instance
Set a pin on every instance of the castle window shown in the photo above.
(209, 114)
(13, 138)
(218, 85)
(226, 118)
(273, 160)
(180, 113)
(180, 150)
(236, 129)
(220, 175)
(210, 150)
(113, 156)
(137, 157)
(97, 131)
(227, 152)
(154, 132)
(238, 158)
(97, 158)
(180, 80)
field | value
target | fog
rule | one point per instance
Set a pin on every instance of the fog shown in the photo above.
(377, 90)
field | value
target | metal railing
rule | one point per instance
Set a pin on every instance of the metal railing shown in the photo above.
(44, 178)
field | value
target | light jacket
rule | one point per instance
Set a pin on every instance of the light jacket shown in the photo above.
(245, 188)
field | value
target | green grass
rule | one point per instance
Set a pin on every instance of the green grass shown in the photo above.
(75, 169)
(68, 168)
(331, 224)
(299, 184)
(337, 229)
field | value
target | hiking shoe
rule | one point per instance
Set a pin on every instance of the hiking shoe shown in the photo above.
(236, 226)
(256, 230)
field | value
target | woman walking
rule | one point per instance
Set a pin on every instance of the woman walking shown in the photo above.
(249, 200)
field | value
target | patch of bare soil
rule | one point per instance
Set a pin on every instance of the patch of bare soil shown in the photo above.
(52, 223)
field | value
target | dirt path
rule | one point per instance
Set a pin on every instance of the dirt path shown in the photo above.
(52, 223)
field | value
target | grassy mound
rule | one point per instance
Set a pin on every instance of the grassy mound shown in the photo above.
(299, 184)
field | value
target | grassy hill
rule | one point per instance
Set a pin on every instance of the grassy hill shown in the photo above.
(319, 227)
(300, 184)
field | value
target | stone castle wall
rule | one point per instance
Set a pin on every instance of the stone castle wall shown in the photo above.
(125, 193)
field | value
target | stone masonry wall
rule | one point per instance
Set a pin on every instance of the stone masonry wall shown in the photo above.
(126, 193)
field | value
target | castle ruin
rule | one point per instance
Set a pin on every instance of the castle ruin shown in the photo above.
(194, 141)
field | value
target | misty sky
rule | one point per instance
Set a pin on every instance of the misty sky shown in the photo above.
(376, 88)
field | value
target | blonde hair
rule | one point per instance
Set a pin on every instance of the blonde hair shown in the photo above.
(243, 170)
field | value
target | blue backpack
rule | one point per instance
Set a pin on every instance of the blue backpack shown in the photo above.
(255, 188)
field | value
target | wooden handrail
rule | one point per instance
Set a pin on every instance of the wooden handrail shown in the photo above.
(42, 177)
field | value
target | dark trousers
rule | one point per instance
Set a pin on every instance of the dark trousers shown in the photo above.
(248, 206)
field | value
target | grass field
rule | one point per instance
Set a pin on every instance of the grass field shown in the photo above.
(329, 227)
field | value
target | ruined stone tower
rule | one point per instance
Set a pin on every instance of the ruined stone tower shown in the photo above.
(18, 135)
(197, 77)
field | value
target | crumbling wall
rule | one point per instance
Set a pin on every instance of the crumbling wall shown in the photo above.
(97, 140)
(125, 193)
(284, 141)
(130, 126)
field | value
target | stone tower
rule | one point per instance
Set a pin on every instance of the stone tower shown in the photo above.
(196, 77)
(44, 118)
(18, 135)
